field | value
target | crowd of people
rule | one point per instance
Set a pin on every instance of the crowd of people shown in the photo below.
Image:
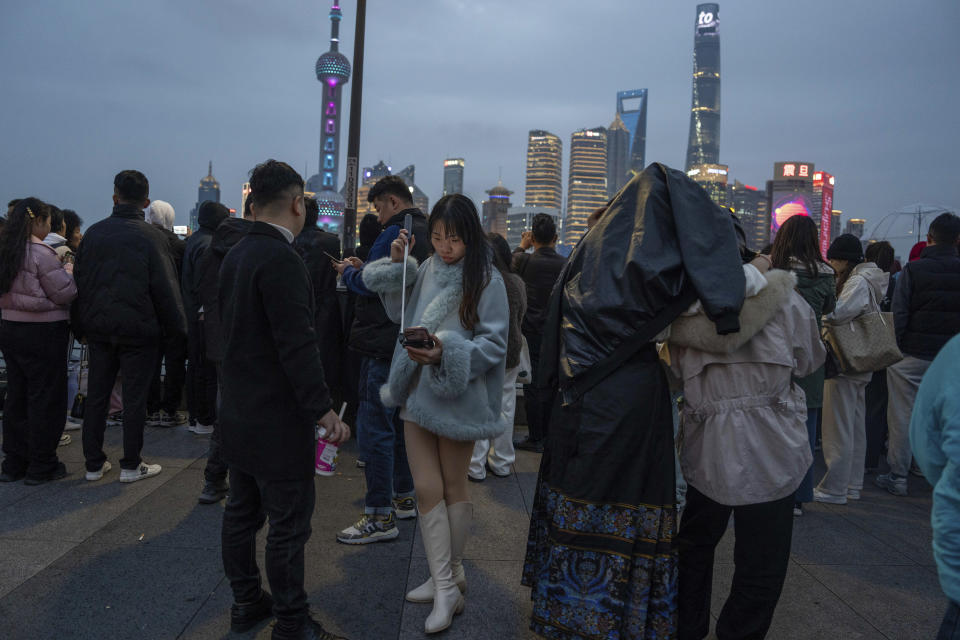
(263, 328)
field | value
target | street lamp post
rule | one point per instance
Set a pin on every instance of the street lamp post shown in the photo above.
(353, 140)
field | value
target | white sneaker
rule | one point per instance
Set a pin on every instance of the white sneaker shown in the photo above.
(829, 498)
(73, 424)
(853, 494)
(93, 476)
(143, 471)
(200, 429)
(65, 439)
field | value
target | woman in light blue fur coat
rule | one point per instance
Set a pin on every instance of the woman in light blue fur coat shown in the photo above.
(449, 395)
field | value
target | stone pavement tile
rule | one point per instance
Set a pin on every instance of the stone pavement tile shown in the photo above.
(907, 530)
(527, 461)
(22, 559)
(807, 610)
(169, 516)
(902, 602)
(497, 606)
(528, 487)
(823, 536)
(11, 492)
(95, 591)
(500, 522)
(174, 446)
(346, 594)
(72, 509)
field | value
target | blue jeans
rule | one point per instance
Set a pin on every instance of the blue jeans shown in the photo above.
(681, 482)
(950, 628)
(804, 492)
(382, 447)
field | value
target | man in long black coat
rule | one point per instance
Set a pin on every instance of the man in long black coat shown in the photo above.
(273, 396)
(314, 244)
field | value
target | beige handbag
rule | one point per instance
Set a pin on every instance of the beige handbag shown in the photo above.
(866, 343)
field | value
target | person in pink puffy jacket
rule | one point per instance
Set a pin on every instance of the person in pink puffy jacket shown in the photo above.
(35, 295)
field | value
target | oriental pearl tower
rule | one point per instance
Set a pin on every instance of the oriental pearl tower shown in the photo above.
(333, 71)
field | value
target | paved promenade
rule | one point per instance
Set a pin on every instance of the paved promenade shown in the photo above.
(105, 560)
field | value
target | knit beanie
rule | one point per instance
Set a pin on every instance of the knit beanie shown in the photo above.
(846, 247)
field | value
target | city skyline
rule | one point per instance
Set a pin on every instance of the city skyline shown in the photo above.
(106, 108)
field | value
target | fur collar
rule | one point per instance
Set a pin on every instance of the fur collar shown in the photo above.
(449, 279)
(697, 332)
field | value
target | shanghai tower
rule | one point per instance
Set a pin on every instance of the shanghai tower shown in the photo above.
(333, 71)
(703, 146)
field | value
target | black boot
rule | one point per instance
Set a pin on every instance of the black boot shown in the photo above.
(244, 617)
(310, 630)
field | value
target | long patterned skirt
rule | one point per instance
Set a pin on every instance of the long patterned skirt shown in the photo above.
(600, 560)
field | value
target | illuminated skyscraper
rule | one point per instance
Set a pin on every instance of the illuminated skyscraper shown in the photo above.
(632, 109)
(587, 184)
(835, 224)
(494, 210)
(520, 219)
(209, 190)
(420, 199)
(713, 178)
(544, 170)
(855, 226)
(618, 155)
(750, 206)
(452, 176)
(333, 71)
(703, 146)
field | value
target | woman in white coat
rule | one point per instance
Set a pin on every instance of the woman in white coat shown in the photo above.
(449, 394)
(860, 287)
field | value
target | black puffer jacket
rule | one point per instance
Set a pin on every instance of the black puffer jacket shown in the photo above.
(127, 284)
(661, 245)
(311, 245)
(209, 219)
(224, 238)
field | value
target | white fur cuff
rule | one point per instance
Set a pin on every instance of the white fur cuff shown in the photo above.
(451, 378)
(384, 275)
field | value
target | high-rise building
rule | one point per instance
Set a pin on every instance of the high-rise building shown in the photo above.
(791, 193)
(520, 219)
(618, 156)
(632, 109)
(823, 184)
(333, 71)
(855, 226)
(452, 176)
(587, 182)
(703, 145)
(544, 187)
(244, 194)
(750, 206)
(494, 210)
(209, 190)
(420, 199)
(835, 216)
(713, 178)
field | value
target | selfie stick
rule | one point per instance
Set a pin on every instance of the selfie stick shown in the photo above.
(403, 291)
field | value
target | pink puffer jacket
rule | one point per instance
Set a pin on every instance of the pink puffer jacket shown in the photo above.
(42, 291)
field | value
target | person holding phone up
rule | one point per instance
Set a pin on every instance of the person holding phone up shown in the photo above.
(449, 387)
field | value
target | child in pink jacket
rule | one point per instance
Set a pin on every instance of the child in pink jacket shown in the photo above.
(35, 295)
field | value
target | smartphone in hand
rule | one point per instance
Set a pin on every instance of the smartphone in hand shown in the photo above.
(416, 337)
(331, 257)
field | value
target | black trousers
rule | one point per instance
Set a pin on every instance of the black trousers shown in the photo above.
(201, 377)
(289, 505)
(135, 363)
(761, 553)
(216, 468)
(538, 401)
(876, 418)
(167, 395)
(36, 404)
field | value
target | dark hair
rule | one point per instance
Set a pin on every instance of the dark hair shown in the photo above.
(390, 186)
(313, 212)
(502, 258)
(13, 203)
(14, 238)
(767, 249)
(945, 229)
(458, 216)
(73, 222)
(797, 239)
(56, 218)
(271, 181)
(369, 229)
(880, 253)
(544, 228)
(131, 187)
(246, 214)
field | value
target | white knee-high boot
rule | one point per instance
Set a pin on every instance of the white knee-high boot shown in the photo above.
(447, 600)
(461, 518)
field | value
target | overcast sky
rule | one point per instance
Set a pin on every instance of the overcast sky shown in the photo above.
(865, 90)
